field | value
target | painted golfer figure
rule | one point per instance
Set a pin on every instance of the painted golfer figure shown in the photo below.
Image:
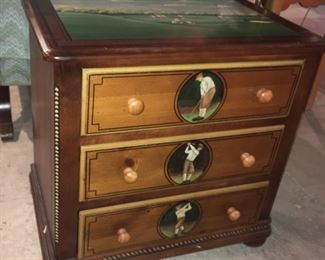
(207, 91)
(188, 167)
(180, 212)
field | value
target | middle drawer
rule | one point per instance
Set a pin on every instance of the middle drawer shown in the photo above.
(130, 167)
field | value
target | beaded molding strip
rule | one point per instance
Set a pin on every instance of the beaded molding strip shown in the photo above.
(264, 226)
(56, 161)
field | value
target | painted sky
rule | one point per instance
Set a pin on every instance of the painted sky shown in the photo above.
(212, 7)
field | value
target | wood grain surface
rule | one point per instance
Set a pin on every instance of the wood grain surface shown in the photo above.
(98, 232)
(107, 95)
(102, 170)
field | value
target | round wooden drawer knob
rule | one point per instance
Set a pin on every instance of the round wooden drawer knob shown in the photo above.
(264, 95)
(130, 176)
(247, 160)
(123, 236)
(233, 214)
(135, 106)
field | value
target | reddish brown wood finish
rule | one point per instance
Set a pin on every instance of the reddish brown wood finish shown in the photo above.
(44, 231)
(65, 60)
(104, 168)
(247, 94)
(43, 126)
(101, 230)
(58, 46)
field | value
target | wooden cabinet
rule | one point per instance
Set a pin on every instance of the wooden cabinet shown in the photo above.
(158, 134)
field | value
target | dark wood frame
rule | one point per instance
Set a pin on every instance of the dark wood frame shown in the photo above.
(41, 216)
(6, 124)
(57, 45)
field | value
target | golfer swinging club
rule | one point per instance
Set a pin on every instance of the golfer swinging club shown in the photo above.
(180, 214)
(188, 167)
(207, 90)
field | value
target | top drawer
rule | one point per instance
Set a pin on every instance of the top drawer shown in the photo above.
(130, 98)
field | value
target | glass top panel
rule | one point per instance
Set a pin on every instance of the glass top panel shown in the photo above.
(163, 19)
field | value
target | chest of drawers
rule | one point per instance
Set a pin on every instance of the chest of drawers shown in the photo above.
(159, 133)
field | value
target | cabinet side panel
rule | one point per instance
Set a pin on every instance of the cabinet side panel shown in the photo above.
(292, 124)
(43, 126)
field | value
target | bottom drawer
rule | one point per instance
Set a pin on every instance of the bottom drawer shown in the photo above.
(188, 215)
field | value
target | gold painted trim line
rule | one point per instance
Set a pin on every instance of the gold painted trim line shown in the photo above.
(87, 72)
(181, 138)
(187, 196)
(161, 140)
(104, 210)
(184, 67)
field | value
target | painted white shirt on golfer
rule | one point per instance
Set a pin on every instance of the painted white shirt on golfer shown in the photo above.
(192, 152)
(180, 213)
(205, 85)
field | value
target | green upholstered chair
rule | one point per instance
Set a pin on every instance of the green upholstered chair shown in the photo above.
(14, 58)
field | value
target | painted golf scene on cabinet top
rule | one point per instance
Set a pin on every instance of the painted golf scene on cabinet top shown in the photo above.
(162, 19)
(180, 219)
(188, 162)
(200, 97)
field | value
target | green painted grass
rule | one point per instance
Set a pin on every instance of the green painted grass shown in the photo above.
(169, 231)
(179, 178)
(189, 116)
(87, 26)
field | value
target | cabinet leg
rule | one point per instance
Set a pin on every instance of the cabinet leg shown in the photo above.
(255, 243)
(6, 125)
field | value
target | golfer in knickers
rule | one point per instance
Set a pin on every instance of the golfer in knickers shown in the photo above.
(207, 90)
(188, 167)
(180, 214)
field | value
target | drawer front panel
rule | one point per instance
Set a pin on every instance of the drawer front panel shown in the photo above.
(121, 99)
(123, 226)
(154, 164)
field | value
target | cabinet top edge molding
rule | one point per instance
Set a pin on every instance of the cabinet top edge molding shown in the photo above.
(65, 34)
